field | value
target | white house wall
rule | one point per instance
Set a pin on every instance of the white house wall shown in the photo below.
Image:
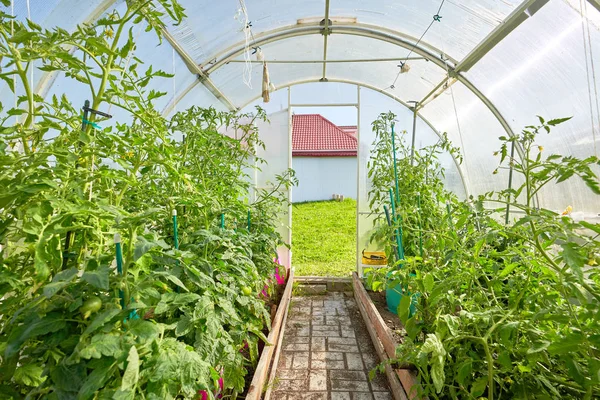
(321, 177)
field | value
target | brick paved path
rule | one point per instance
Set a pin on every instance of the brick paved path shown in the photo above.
(327, 353)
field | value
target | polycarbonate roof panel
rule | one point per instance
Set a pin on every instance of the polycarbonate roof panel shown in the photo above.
(212, 27)
(463, 23)
(475, 130)
(540, 69)
(411, 86)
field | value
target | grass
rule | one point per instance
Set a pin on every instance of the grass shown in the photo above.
(324, 238)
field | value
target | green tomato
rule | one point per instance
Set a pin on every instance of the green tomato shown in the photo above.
(246, 290)
(90, 306)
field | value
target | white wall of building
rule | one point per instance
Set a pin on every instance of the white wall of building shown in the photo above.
(321, 177)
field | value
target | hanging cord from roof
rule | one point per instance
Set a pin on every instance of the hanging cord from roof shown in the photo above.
(242, 17)
(403, 66)
(174, 85)
(462, 143)
(587, 43)
(31, 64)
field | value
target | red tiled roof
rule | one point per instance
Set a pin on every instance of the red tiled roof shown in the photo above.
(315, 136)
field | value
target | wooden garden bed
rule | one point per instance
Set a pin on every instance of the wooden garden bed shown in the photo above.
(402, 381)
(263, 368)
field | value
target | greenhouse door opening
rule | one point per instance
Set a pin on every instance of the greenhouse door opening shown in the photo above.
(324, 158)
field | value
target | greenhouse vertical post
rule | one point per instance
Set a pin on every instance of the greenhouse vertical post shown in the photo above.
(414, 134)
(358, 202)
(289, 149)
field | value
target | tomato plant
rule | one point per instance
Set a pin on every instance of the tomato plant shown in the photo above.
(158, 320)
(503, 310)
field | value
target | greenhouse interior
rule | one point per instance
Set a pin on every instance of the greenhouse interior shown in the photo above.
(147, 183)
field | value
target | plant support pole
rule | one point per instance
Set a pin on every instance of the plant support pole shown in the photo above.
(389, 221)
(249, 221)
(119, 256)
(510, 178)
(175, 233)
(223, 221)
(396, 230)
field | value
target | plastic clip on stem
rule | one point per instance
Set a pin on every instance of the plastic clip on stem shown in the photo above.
(119, 256)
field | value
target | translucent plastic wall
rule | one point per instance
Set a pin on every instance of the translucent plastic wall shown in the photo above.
(276, 136)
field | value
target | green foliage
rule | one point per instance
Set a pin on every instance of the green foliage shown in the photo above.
(502, 311)
(186, 321)
(324, 238)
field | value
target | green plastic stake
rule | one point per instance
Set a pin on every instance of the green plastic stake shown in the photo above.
(119, 255)
(396, 231)
(420, 228)
(389, 221)
(249, 221)
(175, 234)
(223, 221)
(449, 215)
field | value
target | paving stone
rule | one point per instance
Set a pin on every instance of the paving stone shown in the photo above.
(349, 375)
(346, 348)
(326, 355)
(278, 396)
(318, 380)
(303, 331)
(291, 385)
(362, 396)
(326, 333)
(297, 347)
(334, 304)
(327, 364)
(347, 332)
(300, 361)
(285, 360)
(342, 341)
(318, 319)
(289, 339)
(354, 361)
(292, 374)
(382, 395)
(307, 396)
(318, 344)
(340, 396)
(349, 386)
(317, 303)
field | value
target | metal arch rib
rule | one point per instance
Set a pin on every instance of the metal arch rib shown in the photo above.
(373, 32)
(595, 3)
(369, 31)
(459, 167)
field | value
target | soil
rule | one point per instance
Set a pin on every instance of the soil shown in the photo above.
(390, 319)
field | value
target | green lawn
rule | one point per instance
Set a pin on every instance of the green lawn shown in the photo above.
(324, 238)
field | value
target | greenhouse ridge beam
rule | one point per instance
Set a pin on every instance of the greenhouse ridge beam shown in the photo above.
(195, 69)
(391, 96)
(356, 60)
